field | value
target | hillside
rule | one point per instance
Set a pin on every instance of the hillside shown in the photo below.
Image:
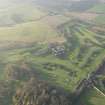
(52, 50)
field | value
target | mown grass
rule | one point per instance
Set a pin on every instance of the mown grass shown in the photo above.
(91, 97)
(86, 45)
(84, 51)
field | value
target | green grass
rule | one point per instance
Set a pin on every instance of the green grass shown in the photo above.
(86, 45)
(100, 20)
(67, 73)
(85, 49)
(28, 32)
(91, 97)
(99, 8)
(22, 23)
(20, 14)
(64, 73)
(85, 52)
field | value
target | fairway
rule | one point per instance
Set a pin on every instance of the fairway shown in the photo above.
(84, 51)
(92, 97)
(52, 52)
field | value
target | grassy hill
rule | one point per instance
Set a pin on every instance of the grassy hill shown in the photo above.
(83, 53)
(100, 20)
(42, 42)
(18, 14)
(31, 31)
(91, 97)
(99, 8)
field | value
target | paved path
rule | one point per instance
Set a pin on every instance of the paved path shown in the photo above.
(99, 91)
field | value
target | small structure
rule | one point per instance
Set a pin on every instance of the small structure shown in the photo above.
(58, 50)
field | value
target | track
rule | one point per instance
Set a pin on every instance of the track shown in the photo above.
(99, 91)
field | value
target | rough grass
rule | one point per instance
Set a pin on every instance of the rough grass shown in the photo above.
(99, 8)
(28, 32)
(91, 97)
(85, 55)
(100, 20)
(85, 46)
(20, 14)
